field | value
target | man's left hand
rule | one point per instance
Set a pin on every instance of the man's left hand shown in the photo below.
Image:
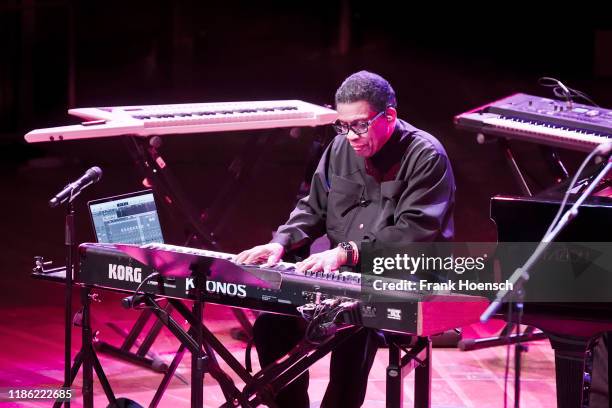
(326, 261)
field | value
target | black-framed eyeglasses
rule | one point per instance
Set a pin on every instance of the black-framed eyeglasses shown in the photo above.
(359, 127)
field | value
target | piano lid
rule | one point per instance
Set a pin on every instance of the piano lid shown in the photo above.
(526, 219)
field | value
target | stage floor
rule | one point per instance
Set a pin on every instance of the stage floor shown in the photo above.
(31, 355)
(31, 333)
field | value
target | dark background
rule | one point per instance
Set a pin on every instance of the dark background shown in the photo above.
(441, 60)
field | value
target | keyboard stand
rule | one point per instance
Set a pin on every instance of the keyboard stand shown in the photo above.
(210, 345)
(406, 353)
(200, 341)
(519, 177)
(143, 357)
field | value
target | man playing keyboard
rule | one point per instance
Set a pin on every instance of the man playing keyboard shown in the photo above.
(380, 180)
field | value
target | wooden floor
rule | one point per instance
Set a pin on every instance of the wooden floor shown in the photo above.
(31, 354)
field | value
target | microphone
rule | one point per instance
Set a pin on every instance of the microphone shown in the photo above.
(91, 176)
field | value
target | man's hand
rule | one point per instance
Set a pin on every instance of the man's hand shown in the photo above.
(326, 261)
(269, 254)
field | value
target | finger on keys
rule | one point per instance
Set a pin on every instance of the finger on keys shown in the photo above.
(304, 265)
(241, 257)
(272, 260)
(254, 256)
(318, 266)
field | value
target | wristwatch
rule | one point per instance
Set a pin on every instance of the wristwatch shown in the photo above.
(350, 253)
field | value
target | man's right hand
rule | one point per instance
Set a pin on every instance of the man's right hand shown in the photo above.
(269, 254)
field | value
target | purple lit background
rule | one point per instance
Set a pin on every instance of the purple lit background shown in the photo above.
(61, 53)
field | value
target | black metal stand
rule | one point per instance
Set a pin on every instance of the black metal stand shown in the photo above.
(198, 358)
(529, 334)
(270, 380)
(514, 168)
(202, 344)
(264, 385)
(69, 242)
(143, 356)
(198, 340)
(211, 341)
(549, 154)
(518, 352)
(88, 359)
(86, 356)
(555, 164)
(261, 387)
(417, 358)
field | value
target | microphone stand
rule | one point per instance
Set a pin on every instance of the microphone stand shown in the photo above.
(69, 242)
(86, 356)
(521, 275)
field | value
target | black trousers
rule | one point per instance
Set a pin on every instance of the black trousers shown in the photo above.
(275, 335)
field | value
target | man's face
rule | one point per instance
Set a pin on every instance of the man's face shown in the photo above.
(379, 131)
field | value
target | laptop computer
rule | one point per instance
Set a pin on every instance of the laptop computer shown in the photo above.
(128, 219)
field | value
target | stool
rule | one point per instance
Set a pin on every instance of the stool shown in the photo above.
(407, 354)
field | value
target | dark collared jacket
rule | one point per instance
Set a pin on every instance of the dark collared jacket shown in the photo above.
(404, 193)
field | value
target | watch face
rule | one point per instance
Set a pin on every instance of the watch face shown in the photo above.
(348, 248)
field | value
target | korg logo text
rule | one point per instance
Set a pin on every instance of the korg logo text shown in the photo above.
(222, 288)
(124, 273)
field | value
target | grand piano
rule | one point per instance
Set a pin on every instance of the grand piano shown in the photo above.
(570, 327)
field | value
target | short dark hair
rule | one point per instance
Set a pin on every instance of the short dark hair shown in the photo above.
(369, 87)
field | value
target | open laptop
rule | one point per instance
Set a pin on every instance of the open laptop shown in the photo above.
(128, 219)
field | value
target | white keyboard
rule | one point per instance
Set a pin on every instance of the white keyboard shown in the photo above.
(149, 120)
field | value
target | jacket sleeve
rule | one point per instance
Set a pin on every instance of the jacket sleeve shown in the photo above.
(307, 220)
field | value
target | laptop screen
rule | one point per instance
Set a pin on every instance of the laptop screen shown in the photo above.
(127, 219)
